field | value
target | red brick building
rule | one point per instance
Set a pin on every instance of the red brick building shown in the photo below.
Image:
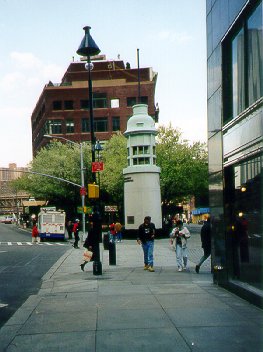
(63, 109)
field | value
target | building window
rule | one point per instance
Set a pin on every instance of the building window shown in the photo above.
(141, 161)
(53, 127)
(101, 125)
(85, 125)
(84, 104)
(255, 55)
(99, 100)
(115, 103)
(130, 219)
(243, 65)
(57, 105)
(144, 100)
(116, 123)
(69, 126)
(144, 149)
(238, 73)
(131, 101)
(243, 214)
(68, 105)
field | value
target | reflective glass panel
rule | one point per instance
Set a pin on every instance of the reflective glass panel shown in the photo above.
(255, 56)
(238, 74)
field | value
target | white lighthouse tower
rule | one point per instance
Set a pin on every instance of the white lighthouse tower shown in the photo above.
(142, 195)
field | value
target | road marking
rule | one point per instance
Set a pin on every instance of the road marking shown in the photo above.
(32, 244)
(3, 251)
(2, 305)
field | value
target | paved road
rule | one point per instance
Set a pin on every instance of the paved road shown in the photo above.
(22, 266)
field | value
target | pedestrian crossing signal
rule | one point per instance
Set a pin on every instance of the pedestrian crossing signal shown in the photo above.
(93, 190)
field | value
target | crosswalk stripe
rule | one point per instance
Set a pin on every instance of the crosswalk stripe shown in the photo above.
(31, 244)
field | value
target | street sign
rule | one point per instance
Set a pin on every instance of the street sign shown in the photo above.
(79, 210)
(97, 166)
(85, 210)
(83, 191)
(111, 208)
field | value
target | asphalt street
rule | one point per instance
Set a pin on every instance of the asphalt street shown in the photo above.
(22, 266)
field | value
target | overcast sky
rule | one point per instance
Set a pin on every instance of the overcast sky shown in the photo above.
(39, 38)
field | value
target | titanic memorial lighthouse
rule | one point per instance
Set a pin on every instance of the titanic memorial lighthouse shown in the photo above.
(142, 195)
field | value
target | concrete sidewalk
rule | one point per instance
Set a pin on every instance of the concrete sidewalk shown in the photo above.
(129, 309)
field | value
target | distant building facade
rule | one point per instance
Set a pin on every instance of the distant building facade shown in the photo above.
(235, 143)
(63, 109)
(11, 201)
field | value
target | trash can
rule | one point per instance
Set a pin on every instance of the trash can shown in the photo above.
(106, 241)
(112, 253)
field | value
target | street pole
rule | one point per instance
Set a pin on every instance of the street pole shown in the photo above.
(92, 134)
(89, 48)
(83, 193)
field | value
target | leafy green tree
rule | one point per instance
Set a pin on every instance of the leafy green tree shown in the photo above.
(184, 171)
(115, 158)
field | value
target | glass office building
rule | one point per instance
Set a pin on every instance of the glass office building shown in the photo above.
(235, 143)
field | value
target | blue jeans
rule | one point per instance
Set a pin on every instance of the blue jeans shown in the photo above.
(119, 236)
(148, 252)
(181, 256)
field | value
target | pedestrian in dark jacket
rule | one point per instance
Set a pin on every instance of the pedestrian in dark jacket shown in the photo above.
(206, 243)
(146, 239)
(69, 227)
(89, 244)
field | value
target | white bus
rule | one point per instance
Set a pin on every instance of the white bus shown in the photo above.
(51, 223)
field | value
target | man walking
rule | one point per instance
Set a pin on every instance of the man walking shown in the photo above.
(206, 243)
(146, 235)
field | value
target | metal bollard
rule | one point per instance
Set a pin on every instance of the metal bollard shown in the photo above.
(106, 240)
(112, 253)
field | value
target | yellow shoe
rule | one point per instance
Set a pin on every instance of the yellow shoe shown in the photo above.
(151, 269)
(146, 267)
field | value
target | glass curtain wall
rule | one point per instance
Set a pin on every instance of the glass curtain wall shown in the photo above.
(255, 55)
(244, 227)
(243, 65)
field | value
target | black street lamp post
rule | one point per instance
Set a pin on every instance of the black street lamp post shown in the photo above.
(98, 149)
(89, 48)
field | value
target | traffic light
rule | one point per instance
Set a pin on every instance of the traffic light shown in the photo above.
(93, 190)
